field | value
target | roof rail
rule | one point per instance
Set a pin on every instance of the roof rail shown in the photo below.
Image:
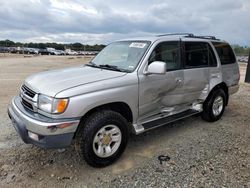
(189, 35)
(171, 34)
(203, 37)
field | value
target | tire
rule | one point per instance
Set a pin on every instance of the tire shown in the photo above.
(94, 127)
(216, 98)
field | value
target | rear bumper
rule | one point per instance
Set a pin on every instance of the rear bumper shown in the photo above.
(233, 89)
(40, 130)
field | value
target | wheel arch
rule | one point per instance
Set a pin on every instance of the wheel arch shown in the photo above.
(222, 86)
(120, 107)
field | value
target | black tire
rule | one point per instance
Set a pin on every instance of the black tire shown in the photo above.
(87, 131)
(208, 114)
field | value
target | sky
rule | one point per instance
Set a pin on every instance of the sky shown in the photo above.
(96, 22)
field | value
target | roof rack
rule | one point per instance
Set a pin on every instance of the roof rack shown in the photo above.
(189, 35)
(203, 37)
(171, 34)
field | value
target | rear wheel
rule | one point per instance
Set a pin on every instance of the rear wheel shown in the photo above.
(102, 138)
(214, 106)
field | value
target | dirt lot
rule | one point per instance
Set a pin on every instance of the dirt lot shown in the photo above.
(201, 154)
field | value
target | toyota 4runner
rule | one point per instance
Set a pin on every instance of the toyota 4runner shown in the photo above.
(132, 85)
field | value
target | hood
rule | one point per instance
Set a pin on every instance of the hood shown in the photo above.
(52, 82)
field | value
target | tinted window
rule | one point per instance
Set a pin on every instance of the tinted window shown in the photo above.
(198, 54)
(225, 53)
(168, 52)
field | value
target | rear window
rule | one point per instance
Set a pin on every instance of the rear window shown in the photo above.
(225, 53)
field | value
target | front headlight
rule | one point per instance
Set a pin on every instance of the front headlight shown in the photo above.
(45, 103)
(52, 105)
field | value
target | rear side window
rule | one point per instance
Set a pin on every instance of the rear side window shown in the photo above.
(225, 53)
(198, 54)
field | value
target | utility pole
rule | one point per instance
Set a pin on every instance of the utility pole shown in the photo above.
(247, 79)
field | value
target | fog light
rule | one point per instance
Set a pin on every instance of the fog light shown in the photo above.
(33, 136)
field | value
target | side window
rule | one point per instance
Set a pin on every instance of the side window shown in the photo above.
(196, 54)
(168, 52)
(225, 53)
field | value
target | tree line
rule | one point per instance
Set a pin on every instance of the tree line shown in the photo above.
(239, 50)
(73, 46)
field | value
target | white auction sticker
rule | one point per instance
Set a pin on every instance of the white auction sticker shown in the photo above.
(131, 67)
(137, 45)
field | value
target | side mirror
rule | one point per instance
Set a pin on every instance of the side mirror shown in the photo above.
(157, 67)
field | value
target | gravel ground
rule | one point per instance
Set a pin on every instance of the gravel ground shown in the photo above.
(197, 153)
(214, 155)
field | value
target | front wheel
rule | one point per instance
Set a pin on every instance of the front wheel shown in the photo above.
(102, 138)
(214, 106)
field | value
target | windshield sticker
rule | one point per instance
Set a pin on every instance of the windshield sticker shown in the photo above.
(137, 45)
(131, 67)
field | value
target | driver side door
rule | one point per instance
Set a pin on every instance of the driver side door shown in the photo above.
(158, 94)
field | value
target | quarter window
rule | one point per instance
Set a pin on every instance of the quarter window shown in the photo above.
(225, 53)
(168, 52)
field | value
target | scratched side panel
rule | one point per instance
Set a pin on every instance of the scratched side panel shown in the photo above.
(196, 81)
(159, 91)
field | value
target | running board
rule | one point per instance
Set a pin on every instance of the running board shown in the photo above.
(163, 121)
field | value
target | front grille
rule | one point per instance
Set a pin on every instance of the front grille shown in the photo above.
(28, 91)
(27, 105)
(28, 98)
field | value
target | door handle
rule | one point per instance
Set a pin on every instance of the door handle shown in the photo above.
(178, 80)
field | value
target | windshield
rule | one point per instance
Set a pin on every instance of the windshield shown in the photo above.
(123, 55)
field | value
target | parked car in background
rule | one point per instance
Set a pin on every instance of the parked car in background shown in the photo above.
(4, 49)
(71, 52)
(43, 52)
(59, 52)
(243, 59)
(51, 51)
(31, 50)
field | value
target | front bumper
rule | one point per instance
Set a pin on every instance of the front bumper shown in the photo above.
(49, 133)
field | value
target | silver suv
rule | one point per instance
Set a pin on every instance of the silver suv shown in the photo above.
(132, 85)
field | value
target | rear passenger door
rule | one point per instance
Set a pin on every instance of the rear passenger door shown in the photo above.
(198, 58)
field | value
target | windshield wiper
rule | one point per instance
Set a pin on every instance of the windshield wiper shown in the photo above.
(91, 64)
(112, 67)
(106, 66)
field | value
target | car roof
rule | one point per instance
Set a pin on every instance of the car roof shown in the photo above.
(171, 37)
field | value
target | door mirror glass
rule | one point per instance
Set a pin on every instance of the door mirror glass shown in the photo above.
(157, 67)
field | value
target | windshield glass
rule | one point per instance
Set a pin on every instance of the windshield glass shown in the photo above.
(123, 55)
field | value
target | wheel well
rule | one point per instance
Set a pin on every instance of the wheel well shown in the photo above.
(119, 107)
(222, 86)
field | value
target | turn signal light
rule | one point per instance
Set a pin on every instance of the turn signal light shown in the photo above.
(61, 105)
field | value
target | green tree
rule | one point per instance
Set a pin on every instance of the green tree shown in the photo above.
(74, 46)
